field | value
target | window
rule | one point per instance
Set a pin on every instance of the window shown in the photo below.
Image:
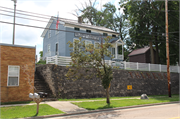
(49, 33)
(77, 29)
(75, 45)
(96, 45)
(49, 48)
(113, 35)
(113, 51)
(105, 34)
(56, 50)
(88, 31)
(87, 44)
(13, 76)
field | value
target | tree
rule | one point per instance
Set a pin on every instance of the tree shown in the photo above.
(88, 57)
(108, 16)
(147, 20)
(41, 54)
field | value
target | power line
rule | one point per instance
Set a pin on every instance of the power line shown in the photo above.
(25, 11)
(48, 28)
(25, 14)
(24, 18)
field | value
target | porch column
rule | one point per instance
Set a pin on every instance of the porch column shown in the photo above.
(116, 51)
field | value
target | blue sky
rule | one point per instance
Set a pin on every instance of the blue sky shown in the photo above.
(31, 36)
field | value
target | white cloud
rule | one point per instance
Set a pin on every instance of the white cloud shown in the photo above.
(31, 36)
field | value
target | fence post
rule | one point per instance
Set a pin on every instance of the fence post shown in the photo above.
(56, 60)
(160, 67)
(137, 66)
(46, 60)
(109, 62)
(149, 67)
(124, 64)
(178, 68)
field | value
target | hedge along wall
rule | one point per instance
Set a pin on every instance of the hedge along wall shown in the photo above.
(151, 83)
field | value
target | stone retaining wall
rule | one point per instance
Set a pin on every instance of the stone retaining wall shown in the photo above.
(151, 83)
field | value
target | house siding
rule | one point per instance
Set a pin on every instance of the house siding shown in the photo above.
(18, 56)
(62, 39)
(138, 58)
(55, 38)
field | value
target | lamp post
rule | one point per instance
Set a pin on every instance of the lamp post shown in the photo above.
(15, 1)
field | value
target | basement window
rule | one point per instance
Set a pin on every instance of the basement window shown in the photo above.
(114, 36)
(105, 34)
(13, 75)
(77, 29)
(88, 31)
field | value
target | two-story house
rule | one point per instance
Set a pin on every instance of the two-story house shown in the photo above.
(55, 37)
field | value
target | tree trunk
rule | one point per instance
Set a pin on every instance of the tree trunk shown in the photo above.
(157, 48)
(152, 53)
(157, 51)
(107, 96)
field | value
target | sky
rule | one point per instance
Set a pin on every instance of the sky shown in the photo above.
(32, 36)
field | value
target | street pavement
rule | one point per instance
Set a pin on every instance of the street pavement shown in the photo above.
(166, 111)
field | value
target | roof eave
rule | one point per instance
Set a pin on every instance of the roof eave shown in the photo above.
(93, 28)
(47, 26)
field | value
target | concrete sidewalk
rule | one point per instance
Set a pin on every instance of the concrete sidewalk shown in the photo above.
(64, 106)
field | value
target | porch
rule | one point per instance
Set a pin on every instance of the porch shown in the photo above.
(117, 51)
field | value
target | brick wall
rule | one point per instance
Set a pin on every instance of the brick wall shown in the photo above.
(151, 83)
(25, 58)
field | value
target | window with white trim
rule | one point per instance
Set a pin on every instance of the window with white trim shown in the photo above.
(87, 44)
(56, 49)
(49, 33)
(96, 45)
(13, 75)
(49, 48)
(113, 51)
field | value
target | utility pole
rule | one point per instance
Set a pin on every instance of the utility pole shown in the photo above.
(167, 49)
(15, 1)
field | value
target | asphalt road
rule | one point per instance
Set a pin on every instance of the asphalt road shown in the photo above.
(167, 111)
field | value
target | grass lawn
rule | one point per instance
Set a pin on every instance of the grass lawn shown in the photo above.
(124, 102)
(20, 102)
(28, 111)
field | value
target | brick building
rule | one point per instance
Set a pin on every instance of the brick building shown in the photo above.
(17, 72)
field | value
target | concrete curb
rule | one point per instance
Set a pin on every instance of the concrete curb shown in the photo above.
(94, 111)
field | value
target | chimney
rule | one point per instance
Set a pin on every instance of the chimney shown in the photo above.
(80, 19)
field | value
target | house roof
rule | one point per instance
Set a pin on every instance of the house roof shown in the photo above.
(75, 23)
(118, 41)
(139, 51)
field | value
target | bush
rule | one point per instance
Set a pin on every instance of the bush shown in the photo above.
(41, 62)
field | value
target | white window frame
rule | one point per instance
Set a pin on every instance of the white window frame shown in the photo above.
(49, 33)
(112, 51)
(18, 75)
(49, 48)
(57, 49)
(87, 41)
(95, 44)
(73, 42)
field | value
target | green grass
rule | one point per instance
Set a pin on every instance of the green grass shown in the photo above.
(28, 111)
(124, 102)
(21, 102)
